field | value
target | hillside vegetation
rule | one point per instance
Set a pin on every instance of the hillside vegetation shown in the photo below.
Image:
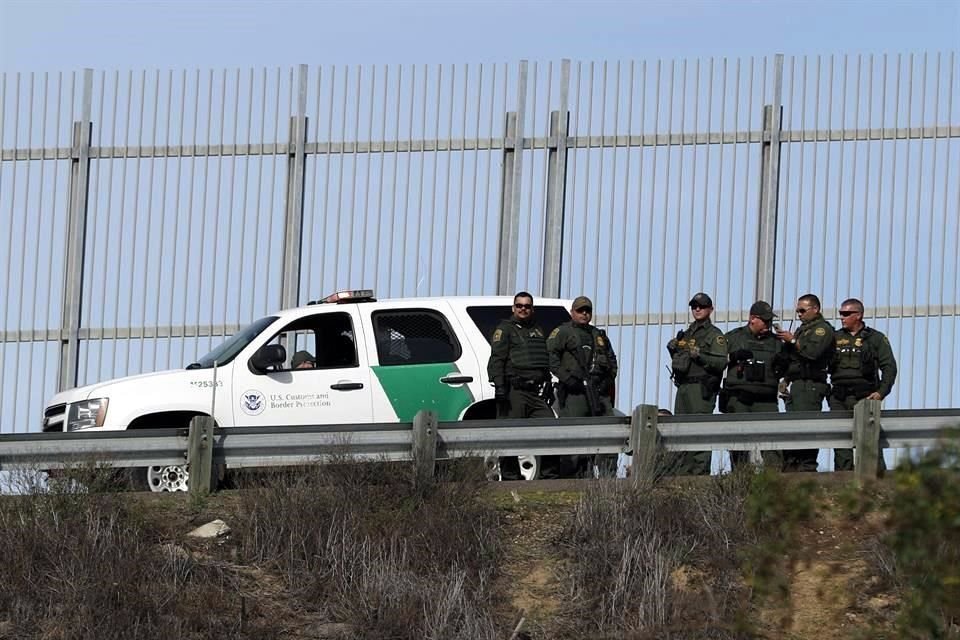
(360, 550)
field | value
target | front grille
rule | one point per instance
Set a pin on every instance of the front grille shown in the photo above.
(53, 417)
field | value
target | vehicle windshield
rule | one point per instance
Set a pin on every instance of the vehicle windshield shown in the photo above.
(229, 349)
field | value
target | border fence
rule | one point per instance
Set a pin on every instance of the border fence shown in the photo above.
(151, 213)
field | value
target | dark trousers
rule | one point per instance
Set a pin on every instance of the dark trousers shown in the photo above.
(523, 404)
(690, 401)
(526, 404)
(772, 459)
(579, 466)
(805, 395)
(843, 458)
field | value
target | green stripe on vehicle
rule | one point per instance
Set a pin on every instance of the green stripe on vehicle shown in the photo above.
(412, 387)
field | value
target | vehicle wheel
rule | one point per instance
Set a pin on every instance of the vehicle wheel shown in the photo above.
(529, 467)
(160, 479)
(512, 467)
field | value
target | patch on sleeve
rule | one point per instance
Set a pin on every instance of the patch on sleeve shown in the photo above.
(886, 341)
(600, 341)
(820, 331)
(721, 340)
(553, 334)
(497, 335)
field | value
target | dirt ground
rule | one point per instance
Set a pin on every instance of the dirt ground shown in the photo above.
(828, 595)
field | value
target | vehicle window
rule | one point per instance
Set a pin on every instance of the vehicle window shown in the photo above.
(229, 349)
(414, 336)
(321, 341)
(487, 318)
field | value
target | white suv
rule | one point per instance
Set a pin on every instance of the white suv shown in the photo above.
(375, 361)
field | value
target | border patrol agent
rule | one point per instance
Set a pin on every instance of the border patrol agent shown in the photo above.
(757, 361)
(863, 367)
(583, 360)
(519, 366)
(581, 355)
(698, 356)
(811, 352)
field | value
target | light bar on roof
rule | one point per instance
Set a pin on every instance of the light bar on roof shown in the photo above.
(350, 295)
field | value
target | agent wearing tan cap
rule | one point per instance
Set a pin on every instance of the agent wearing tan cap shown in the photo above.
(697, 357)
(585, 364)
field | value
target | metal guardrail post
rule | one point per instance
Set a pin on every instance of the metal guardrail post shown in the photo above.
(645, 443)
(200, 455)
(424, 445)
(866, 440)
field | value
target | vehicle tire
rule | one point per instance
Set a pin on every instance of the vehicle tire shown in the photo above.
(158, 479)
(515, 468)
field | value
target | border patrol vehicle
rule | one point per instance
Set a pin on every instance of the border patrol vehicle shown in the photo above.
(373, 361)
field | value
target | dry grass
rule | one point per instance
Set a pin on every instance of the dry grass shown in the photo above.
(658, 561)
(358, 544)
(374, 550)
(80, 564)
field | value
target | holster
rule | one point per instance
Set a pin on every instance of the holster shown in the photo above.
(861, 390)
(723, 401)
(561, 396)
(709, 386)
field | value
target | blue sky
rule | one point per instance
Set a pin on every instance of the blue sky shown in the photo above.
(38, 35)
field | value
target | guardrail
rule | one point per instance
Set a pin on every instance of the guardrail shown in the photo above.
(867, 429)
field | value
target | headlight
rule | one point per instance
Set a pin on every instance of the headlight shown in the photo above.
(87, 413)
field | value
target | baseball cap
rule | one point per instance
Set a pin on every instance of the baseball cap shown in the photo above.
(582, 301)
(300, 357)
(701, 300)
(762, 310)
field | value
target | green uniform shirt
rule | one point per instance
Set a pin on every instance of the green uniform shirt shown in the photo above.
(713, 352)
(810, 357)
(518, 350)
(863, 362)
(760, 374)
(570, 339)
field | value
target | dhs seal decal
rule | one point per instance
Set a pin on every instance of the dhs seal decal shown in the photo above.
(252, 402)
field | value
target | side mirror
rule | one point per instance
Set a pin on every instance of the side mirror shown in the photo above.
(269, 355)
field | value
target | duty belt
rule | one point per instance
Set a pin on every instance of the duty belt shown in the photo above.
(525, 384)
(749, 397)
(859, 389)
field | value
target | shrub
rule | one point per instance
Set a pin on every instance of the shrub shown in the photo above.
(657, 561)
(80, 564)
(924, 522)
(374, 550)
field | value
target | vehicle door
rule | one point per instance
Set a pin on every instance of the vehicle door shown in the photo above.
(332, 389)
(420, 362)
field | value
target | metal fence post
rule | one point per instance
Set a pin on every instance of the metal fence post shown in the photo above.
(200, 455)
(866, 440)
(511, 184)
(78, 205)
(770, 187)
(424, 445)
(556, 189)
(645, 443)
(296, 181)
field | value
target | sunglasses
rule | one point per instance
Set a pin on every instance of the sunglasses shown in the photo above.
(801, 311)
(698, 307)
(848, 313)
(585, 310)
(523, 306)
